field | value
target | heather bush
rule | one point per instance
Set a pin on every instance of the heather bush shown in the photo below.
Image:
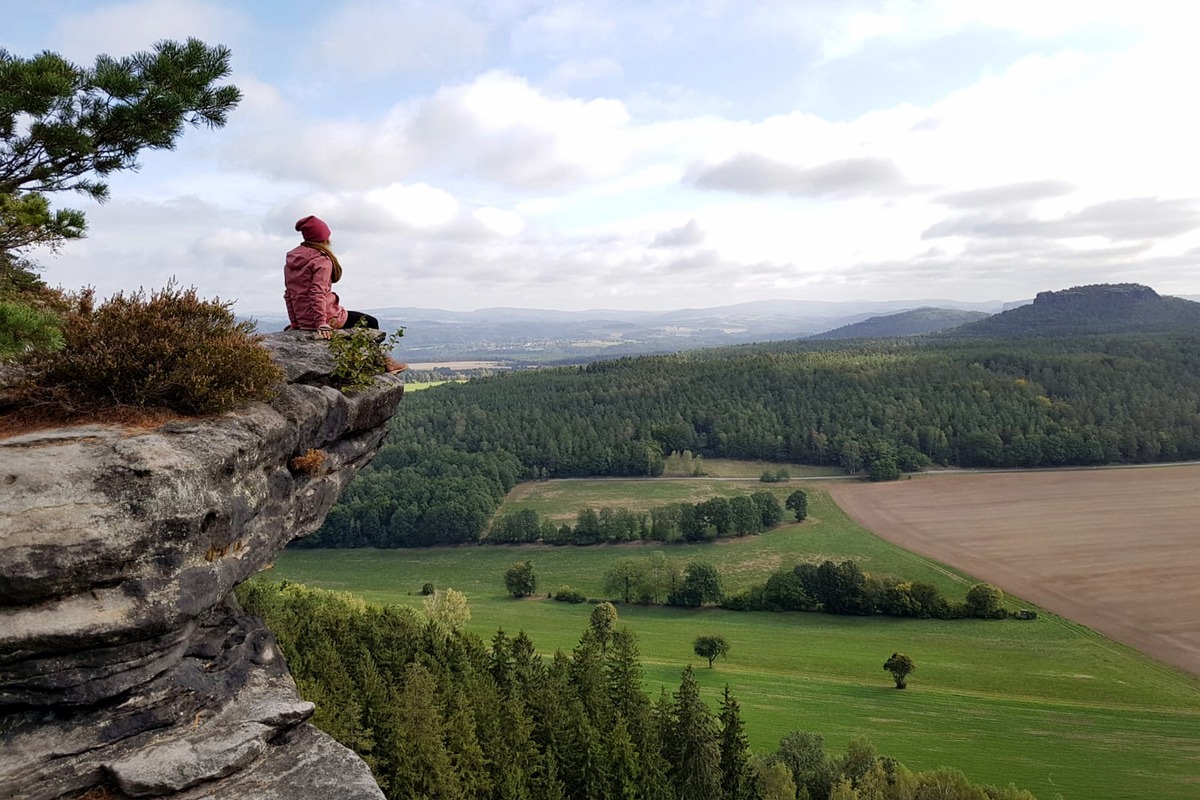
(169, 351)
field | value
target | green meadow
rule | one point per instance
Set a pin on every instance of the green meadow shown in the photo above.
(417, 386)
(1045, 704)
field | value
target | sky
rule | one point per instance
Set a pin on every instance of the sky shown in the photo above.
(656, 155)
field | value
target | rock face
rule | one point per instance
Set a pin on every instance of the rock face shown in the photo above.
(125, 661)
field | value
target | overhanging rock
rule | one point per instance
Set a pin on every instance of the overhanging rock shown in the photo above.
(124, 658)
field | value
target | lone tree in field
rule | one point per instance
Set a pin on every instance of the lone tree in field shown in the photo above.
(520, 579)
(901, 666)
(710, 647)
(797, 503)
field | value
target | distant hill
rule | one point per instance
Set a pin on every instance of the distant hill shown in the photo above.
(906, 323)
(1098, 309)
(525, 335)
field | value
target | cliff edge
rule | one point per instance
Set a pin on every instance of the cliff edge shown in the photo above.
(125, 661)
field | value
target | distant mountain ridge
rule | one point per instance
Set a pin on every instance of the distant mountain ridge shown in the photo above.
(550, 336)
(906, 323)
(1095, 309)
(544, 335)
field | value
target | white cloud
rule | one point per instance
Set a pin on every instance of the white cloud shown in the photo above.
(500, 220)
(500, 128)
(849, 177)
(419, 205)
(514, 185)
(497, 129)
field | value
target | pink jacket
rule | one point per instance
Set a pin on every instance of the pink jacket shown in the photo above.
(308, 292)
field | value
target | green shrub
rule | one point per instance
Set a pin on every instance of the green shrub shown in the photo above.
(359, 357)
(24, 328)
(170, 351)
(428, 588)
(747, 600)
(566, 594)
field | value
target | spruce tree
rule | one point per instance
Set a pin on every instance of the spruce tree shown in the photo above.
(501, 662)
(588, 679)
(423, 766)
(623, 671)
(624, 764)
(735, 751)
(694, 751)
(467, 759)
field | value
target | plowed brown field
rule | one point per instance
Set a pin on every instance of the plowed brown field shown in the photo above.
(1117, 550)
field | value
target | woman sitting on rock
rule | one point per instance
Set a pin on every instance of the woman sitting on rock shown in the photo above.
(309, 273)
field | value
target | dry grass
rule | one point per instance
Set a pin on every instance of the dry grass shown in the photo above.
(101, 793)
(30, 420)
(310, 463)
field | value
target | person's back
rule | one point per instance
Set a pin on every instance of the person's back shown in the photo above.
(309, 273)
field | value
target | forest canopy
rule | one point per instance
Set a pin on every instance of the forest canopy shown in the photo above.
(874, 409)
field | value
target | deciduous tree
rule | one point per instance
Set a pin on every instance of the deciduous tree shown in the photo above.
(602, 622)
(701, 584)
(448, 610)
(804, 754)
(772, 779)
(797, 503)
(901, 666)
(520, 579)
(624, 578)
(985, 601)
(710, 647)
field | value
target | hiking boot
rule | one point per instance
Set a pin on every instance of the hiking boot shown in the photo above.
(394, 366)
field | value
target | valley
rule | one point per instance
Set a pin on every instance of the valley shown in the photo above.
(988, 696)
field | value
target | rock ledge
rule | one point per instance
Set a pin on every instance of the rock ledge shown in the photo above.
(125, 661)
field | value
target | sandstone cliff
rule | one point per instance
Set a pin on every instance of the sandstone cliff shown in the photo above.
(125, 661)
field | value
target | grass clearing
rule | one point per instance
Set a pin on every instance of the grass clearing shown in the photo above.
(730, 468)
(417, 386)
(1048, 705)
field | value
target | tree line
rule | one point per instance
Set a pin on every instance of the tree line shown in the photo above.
(419, 493)
(715, 518)
(843, 588)
(875, 409)
(829, 587)
(438, 713)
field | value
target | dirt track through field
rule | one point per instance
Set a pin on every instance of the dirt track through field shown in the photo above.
(1117, 550)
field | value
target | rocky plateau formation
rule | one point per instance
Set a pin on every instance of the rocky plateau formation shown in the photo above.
(127, 668)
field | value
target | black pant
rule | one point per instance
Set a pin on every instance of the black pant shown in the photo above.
(354, 317)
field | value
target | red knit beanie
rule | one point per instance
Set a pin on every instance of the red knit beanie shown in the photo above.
(313, 229)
